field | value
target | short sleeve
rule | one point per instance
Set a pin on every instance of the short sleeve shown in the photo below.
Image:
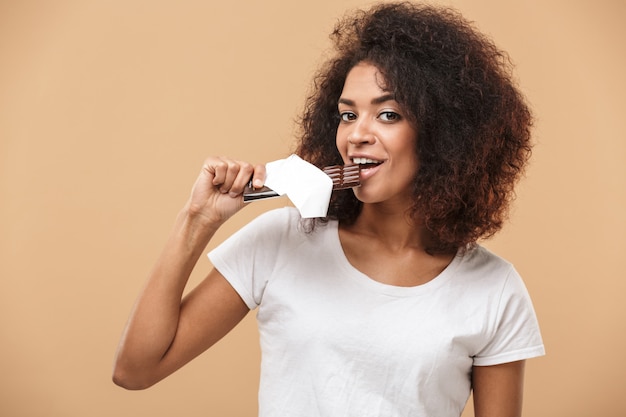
(516, 335)
(246, 259)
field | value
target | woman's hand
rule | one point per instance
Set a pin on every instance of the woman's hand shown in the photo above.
(217, 193)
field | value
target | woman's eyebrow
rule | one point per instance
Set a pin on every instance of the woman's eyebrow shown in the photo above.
(345, 101)
(376, 100)
(383, 98)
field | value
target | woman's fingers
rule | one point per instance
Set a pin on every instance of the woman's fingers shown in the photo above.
(231, 176)
(258, 179)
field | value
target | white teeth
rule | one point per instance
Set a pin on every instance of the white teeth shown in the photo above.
(365, 161)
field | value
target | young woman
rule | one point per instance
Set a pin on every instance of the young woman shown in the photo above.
(388, 306)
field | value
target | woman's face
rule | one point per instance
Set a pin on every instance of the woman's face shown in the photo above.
(374, 132)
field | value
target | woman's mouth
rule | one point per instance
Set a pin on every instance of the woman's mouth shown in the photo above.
(368, 166)
(366, 163)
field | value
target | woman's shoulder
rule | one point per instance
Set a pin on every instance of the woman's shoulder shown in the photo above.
(480, 255)
(277, 222)
(482, 264)
(267, 231)
(289, 218)
(279, 215)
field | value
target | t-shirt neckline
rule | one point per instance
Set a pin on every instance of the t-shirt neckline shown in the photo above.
(394, 290)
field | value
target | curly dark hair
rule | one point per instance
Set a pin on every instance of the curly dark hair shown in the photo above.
(457, 88)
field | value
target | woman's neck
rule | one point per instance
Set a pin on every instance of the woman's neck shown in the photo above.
(389, 247)
(390, 225)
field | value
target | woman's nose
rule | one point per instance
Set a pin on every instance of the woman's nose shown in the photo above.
(361, 133)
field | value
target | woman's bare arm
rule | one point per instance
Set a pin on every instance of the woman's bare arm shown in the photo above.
(163, 331)
(498, 389)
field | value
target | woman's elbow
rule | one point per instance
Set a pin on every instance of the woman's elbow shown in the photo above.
(129, 379)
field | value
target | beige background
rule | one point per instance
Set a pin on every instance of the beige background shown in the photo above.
(107, 109)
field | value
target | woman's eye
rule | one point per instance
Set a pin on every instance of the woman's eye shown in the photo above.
(347, 116)
(389, 116)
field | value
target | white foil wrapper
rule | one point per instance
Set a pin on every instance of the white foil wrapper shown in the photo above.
(307, 186)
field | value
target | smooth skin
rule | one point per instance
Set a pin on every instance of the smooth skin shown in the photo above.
(498, 389)
(164, 332)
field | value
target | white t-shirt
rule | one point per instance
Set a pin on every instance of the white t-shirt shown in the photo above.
(336, 343)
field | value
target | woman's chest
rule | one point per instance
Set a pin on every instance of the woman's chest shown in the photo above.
(345, 321)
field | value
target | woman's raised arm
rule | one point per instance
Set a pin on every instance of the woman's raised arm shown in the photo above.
(163, 331)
